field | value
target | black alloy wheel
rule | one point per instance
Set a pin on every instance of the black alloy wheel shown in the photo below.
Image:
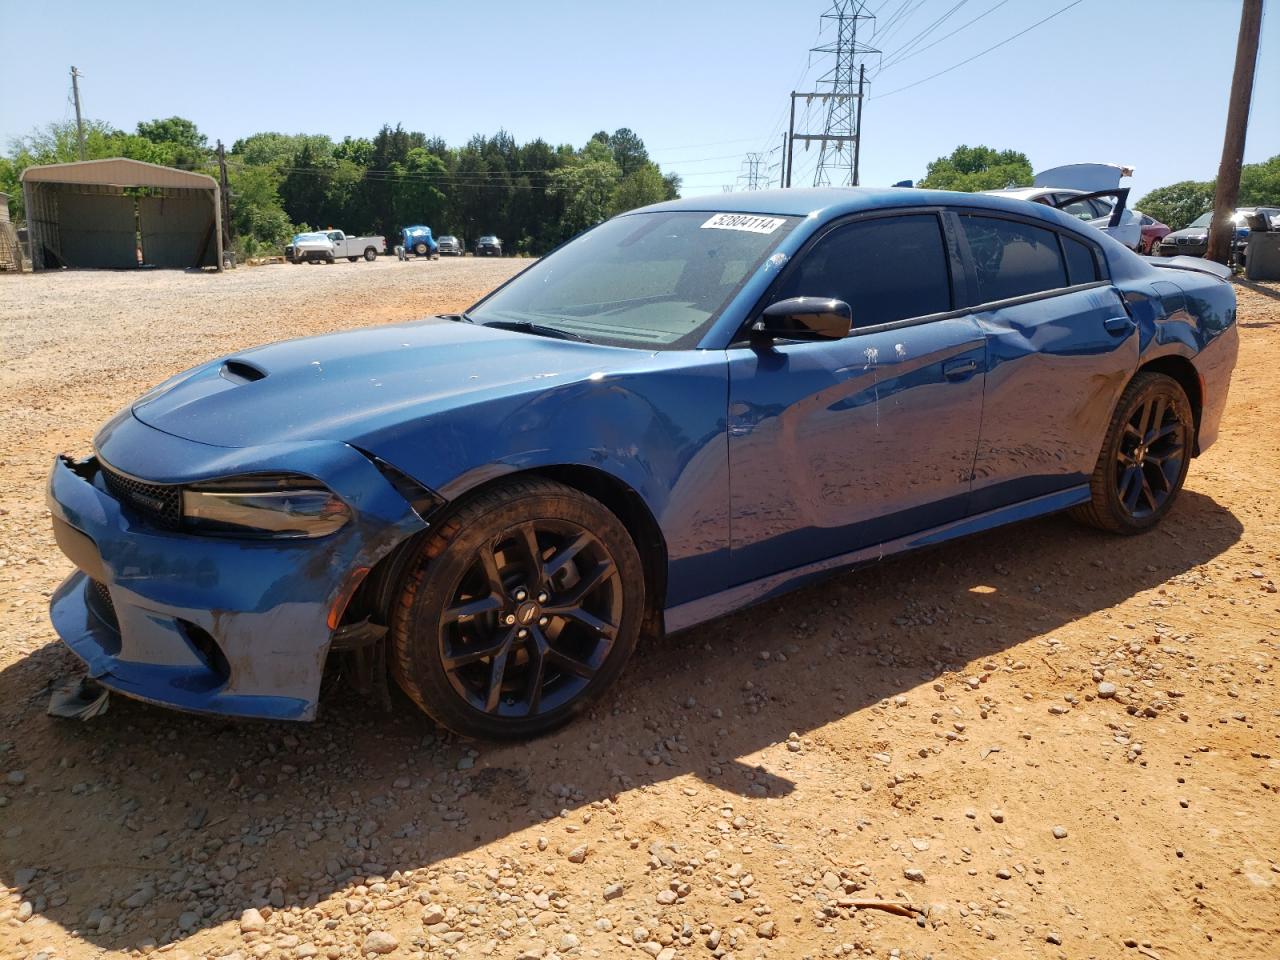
(1145, 457)
(520, 610)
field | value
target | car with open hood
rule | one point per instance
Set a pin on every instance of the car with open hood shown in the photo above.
(688, 409)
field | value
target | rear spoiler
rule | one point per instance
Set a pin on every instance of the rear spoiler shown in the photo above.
(1195, 264)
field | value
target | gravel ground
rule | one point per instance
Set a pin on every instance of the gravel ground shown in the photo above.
(1042, 741)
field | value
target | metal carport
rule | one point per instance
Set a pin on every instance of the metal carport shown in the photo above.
(121, 213)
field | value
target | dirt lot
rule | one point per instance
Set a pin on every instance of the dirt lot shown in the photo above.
(929, 732)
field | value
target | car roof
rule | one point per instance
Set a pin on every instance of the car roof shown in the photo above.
(827, 202)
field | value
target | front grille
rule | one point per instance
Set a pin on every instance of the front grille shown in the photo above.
(159, 503)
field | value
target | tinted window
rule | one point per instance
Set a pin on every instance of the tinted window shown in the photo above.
(1012, 259)
(886, 269)
(1081, 267)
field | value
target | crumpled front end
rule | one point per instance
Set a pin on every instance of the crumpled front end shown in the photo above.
(205, 623)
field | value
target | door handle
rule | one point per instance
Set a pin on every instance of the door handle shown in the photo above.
(1118, 325)
(959, 369)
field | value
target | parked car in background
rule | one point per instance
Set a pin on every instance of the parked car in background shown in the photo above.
(328, 246)
(1193, 239)
(488, 246)
(451, 246)
(292, 252)
(1152, 233)
(418, 241)
(692, 408)
(1104, 209)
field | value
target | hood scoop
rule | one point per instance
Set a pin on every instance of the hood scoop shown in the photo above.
(241, 371)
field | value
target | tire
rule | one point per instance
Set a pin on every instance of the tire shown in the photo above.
(353, 259)
(370, 254)
(1144, 458)
(479, 558)
(420, 249)
(329, 259)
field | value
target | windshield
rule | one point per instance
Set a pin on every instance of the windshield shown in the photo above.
(1203, 220)
(651, 280)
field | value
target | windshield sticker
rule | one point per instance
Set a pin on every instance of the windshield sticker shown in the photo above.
(743, 221)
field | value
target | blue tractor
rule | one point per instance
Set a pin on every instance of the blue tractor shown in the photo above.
(419, 241)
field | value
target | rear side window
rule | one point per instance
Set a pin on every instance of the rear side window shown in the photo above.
(886, 269)
(1081, 265)
(1012, 259)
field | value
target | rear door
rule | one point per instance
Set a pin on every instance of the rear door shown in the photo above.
(840, 445)
(1060, 345)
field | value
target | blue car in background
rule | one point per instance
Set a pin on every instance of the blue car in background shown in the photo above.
(418, 241)
(690, 408)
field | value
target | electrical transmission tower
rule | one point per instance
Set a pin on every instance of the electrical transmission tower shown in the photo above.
(753, 174)
(839, 96)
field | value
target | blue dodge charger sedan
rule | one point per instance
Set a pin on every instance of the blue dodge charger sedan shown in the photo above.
(688, 409)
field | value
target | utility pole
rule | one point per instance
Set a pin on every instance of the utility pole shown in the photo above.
(791, 143)
(224, 189)
(782, 163)
(841, 135)
(75, 92)
(1227, 192)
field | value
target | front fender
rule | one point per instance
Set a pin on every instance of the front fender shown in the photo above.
(659, 430)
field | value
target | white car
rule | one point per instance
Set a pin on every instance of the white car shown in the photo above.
(328, 246)
(1089, 192)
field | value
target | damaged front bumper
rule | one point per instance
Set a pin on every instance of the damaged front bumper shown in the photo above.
(205, 623)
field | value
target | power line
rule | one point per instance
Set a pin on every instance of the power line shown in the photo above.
(896, 55)
(983, 53)
(929, 46)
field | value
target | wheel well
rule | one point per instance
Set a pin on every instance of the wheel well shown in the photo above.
(1182, 370)
(377, 592)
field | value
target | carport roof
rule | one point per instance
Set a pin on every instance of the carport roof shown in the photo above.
(118, 172)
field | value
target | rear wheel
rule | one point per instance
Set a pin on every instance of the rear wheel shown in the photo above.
(1144, 458)
(371, 254)
(519, 611)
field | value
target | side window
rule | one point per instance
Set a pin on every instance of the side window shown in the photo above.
(1012, 259)
(886, 269)
(1081, 266)
(1080, 209)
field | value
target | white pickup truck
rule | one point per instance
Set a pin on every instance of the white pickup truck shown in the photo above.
(328, 246)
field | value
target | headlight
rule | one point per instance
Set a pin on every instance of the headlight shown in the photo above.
(267, 506)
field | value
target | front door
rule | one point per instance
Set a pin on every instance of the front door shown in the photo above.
(839, 445)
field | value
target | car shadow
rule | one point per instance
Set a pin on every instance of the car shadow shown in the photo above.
(1272, 292)
(203, 818)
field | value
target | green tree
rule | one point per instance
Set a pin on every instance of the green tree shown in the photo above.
(1179, 203)
(257, 215)
(586, 185)
(179, 142)
(1260, 183)
(643, 186)
(972, 169)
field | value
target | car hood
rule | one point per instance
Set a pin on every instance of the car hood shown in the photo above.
(1195, 233)
(344, 385)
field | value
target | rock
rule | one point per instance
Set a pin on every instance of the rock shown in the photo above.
(1060, 833)
(1003, 873)
(997, 815)
(140, 898)
(831, 881)
(380, 942)
(1106, 690)
(578, 854)
(24, 876)
(187, 921)
(466, 763)
(1054, 938)
(767, 930)
(16, 778)
(569, 942)
(251, 921)
(613, 891)
(666, 897)
(433, 913)
(914, 875)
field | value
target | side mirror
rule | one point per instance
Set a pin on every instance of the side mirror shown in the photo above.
(805, 318)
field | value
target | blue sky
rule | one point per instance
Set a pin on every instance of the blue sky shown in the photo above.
(702, 82)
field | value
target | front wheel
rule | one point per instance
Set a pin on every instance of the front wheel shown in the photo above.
(1144, 458)
(519, 611)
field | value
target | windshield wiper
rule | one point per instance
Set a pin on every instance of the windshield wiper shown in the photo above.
(537, 329)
